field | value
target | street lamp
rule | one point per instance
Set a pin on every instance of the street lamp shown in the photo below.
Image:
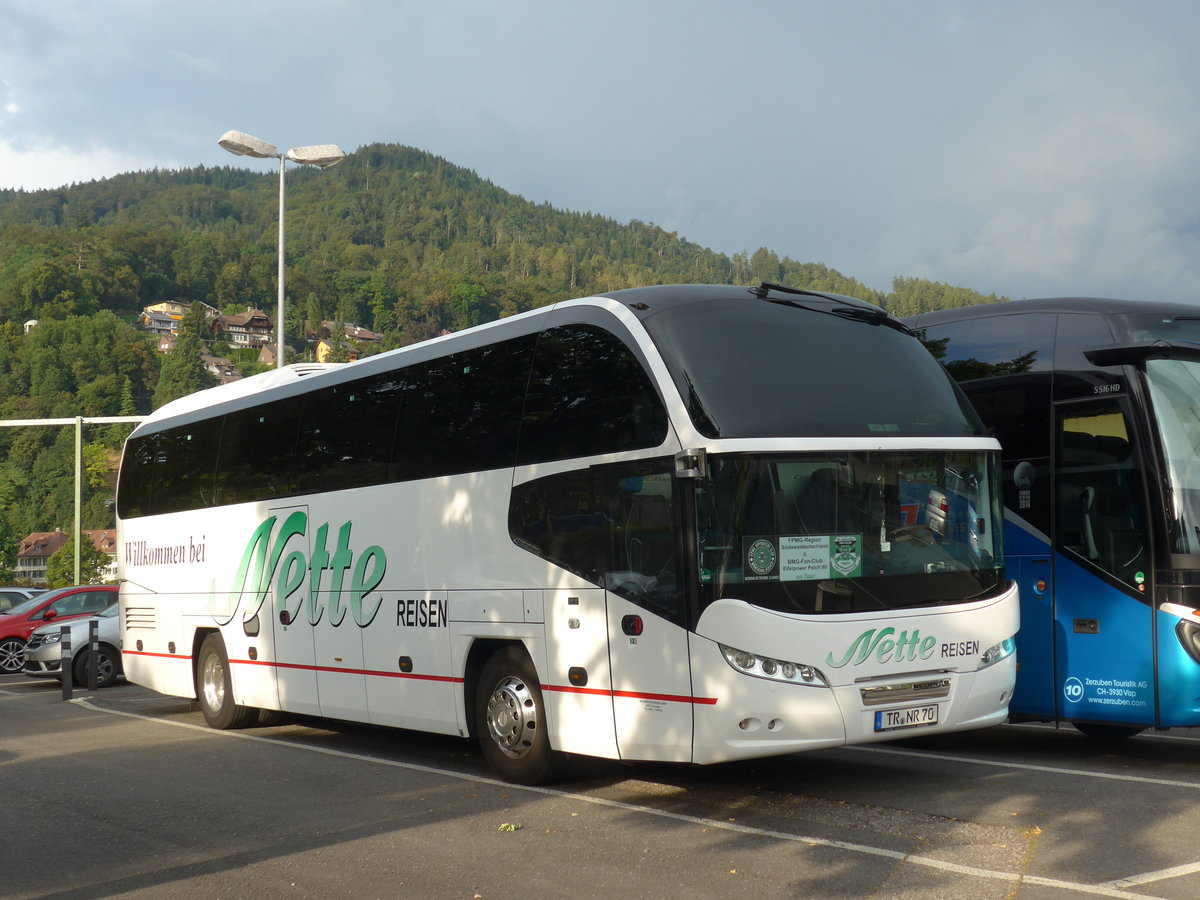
(320, 155)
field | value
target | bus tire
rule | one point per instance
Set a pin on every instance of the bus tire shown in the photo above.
(215, 688)
(510, 718)
(1107, 732)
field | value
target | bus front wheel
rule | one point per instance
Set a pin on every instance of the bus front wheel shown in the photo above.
(216, 687)
(510, 718)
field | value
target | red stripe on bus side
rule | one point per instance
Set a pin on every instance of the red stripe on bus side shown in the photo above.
(631, 695)
(565, 689)
(345, 671)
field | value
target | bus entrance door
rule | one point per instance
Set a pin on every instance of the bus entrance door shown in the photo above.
(652, 684)
(1035, 694)
(1104, 642)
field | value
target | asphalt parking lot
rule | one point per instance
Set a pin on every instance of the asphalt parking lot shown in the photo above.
(123, 792)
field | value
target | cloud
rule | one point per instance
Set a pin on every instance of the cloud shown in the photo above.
(50, 165)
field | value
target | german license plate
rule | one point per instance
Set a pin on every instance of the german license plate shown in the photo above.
(909, 717)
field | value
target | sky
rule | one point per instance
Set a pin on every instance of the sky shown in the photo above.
(1025, 149)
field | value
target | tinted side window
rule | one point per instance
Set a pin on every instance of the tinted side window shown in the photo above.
(994, 346)
(346, 437)
(1004, 366)
(258, 450)
(616, 526)
(588, 394)
(461, 413)
(137, 477)
(1074, 376)
(1100, 513)
(170, 471)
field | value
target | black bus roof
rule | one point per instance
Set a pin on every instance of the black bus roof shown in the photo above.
(1100, 306)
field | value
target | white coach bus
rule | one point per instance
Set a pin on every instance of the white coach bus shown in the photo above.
(678, 523)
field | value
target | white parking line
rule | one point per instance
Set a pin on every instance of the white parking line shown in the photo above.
(1015, 879)
(1029, 767)
(1160, 875)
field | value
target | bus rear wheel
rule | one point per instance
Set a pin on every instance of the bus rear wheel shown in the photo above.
(1107, 732)
(215, 688)
(510, 718)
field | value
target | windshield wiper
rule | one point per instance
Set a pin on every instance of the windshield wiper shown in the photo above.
(870, 314)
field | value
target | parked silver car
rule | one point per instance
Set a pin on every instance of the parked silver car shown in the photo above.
(43, 653)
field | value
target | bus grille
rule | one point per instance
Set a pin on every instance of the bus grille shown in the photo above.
(139, 617)
(906, 691)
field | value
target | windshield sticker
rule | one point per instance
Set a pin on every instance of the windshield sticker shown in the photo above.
(804, 557)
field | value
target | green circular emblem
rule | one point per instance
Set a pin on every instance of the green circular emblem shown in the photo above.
(761, 557)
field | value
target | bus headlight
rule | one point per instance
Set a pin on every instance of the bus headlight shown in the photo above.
(773, 669)
(993, 655)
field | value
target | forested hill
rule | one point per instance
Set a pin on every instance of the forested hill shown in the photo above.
(393, 239)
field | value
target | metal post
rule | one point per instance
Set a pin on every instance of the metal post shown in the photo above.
(280, 274)
(94, 654)
(64, 667)
(78, 494)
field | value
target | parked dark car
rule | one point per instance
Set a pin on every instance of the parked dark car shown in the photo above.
(61, 605)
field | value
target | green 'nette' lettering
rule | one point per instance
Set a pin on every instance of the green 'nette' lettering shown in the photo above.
(886, 646)
(261, 560)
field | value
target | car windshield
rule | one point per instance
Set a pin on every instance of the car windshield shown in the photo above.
(849, 531)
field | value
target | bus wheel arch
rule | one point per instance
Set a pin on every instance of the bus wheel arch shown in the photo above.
(214, 687)
(509, 717)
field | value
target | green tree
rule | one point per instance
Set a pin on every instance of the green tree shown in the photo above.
(93, 563)
(183, 370)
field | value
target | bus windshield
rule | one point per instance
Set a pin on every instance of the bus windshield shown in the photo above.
(851, 531)
(1175, 392)
(749, 368)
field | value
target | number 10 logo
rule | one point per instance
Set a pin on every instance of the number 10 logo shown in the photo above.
(1073, 690)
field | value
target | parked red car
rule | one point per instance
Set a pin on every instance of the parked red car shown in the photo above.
(55, 606)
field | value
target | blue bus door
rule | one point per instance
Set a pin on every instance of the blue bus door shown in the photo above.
(1104, 658)
(1035, 694)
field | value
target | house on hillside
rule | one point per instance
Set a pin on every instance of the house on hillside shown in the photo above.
(350, 337)
(222, 369)
(164, 318)
(249, 329)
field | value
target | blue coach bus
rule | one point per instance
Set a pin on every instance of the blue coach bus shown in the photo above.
(1097, 407)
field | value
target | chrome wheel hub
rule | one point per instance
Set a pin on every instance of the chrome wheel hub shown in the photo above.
(212, 682)
(512, 717)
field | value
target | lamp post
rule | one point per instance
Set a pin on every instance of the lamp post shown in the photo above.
(321, 155)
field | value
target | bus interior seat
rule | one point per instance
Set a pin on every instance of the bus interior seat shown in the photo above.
(823, 502)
